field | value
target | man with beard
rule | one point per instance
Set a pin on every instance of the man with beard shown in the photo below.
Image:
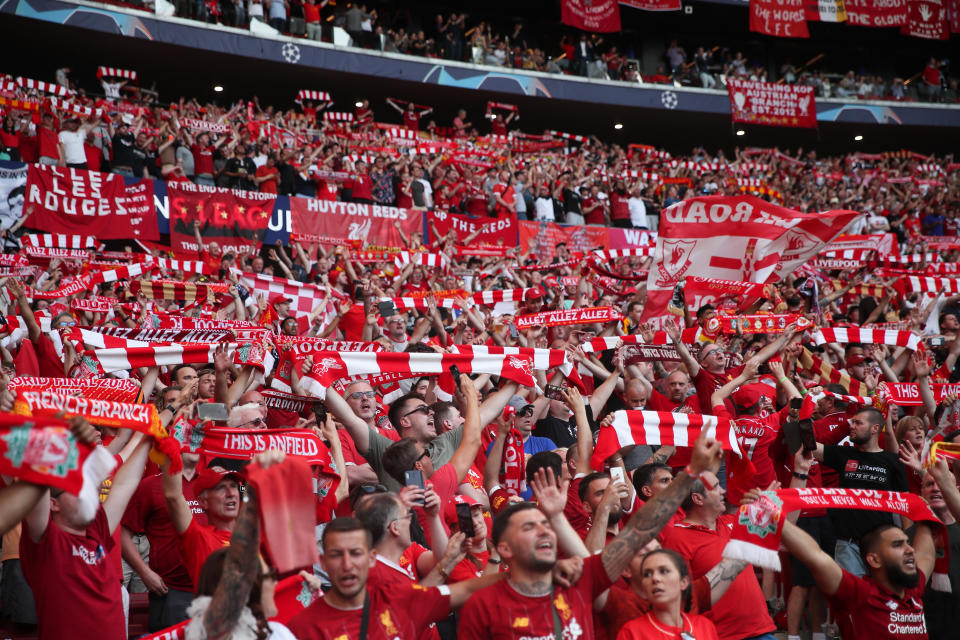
(606, 501)
(863, 466)
(887, 603)
(526, 604)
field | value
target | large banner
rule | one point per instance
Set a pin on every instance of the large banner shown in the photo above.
(884, 244)
(870, 13)
(630, 238)
(13, 189)
(602, 16)
(75, 201)
(783, 18)
(781, 105)
(540, 239)
(500, 231)
(373, 224)
(927, 19)
(234, 219)
(734, 238)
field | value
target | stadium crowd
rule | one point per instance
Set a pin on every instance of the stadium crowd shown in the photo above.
(484, 443)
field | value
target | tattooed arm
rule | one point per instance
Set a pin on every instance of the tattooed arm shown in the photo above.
(240, 567)
(722, 576)
(647, 522)
(661, 455)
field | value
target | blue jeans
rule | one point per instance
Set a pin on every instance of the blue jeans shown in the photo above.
(847, 555)
(763, 636)
(205, 180)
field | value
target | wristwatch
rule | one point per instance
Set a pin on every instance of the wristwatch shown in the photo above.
(172, 409)
(494, 560)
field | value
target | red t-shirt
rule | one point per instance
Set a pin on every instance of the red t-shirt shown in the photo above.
(74, 584)
(870, 611)
(476, 200)
(468, 569)
(507, 194)
(311, 13)
(623, 605)
(703, 549)
(756, 437)
(148, 513)
(268, 186)
(197, 543)
(832, 429)
(648, 628)
(202, 159)
(363, 187)
(619, 209)
(444, 483)
(411, 120)
(94, 157)
(574, 511)
(596, 215)
(660, 402)
(396, 611)
(501, 612)
(706, 383)
(48, 143)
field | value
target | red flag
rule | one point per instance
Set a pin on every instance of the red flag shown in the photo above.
(783, 18)
(734, 238)
(927, 19)
(97, 204)
(782, 105)
(235, 219)
(869, 13)
(43, 451)
(601, 16)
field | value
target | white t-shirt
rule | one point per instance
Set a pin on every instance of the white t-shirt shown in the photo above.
(111, 89)
(544, 209)
(638, 212)
(72, 142)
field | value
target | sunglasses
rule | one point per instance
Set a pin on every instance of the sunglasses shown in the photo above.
(370, 489)
(526, 411)
(257, 421)
(359, 395)
(424, 409)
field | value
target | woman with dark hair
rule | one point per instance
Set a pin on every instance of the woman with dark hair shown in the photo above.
(666, 585)
(235, 586)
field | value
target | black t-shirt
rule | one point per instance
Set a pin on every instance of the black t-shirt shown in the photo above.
(571, 201)
(244, 166)
(562, 432)
(863, 470)
(123, 150)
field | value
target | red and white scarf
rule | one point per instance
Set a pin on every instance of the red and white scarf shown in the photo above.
(662, 428)
(204, 125)
(758, 526)
(865, 335)
(98, 389)
(333, 365)
(588, 315)
(58, 241)
(910, 284)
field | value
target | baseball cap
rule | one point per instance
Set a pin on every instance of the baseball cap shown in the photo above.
(856, 359)
(750, 394)
(212, 476)
(450, 510)
(278, 298)
(519, 403)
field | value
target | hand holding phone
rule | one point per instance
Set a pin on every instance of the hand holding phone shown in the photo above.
(465, 520)
(414, 478)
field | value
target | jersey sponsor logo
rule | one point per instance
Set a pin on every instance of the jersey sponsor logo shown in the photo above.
(851, 466)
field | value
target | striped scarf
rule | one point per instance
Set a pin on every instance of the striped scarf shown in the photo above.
(827, 373)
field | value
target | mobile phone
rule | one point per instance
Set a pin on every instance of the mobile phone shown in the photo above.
(554, 392)
(465, 520)
(320, 412)
(513, 330)
(936, 342)
(807, 437)
(796, 403)
(414, 477)
(617, 475)
(358, 292)
(386, 308)
(455, 372)
(213, 411)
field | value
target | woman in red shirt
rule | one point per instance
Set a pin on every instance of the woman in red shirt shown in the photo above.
(405, 190)
(362, 185)
(267, 175)
(665, 583)
(592, 207)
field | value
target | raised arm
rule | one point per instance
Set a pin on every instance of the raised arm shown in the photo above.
(749, 370)
(693, 367)
(647, 522)
(466, 453)
(826, 572)
(584, 437)
(356, 427)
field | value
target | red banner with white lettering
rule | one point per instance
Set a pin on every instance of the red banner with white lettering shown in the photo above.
(782, 18)
(370, 223)
(234, 219)
(927, 19)
(500, 231)
(90, 203)
(653, 5)
(870, 13)
(541, 238)
(767, 103)
(601, 16)
(734, 238)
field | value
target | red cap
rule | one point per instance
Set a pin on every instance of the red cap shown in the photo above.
(856, 359)
(210, 477)
(278, 298)
(750, 394)
(450, 510)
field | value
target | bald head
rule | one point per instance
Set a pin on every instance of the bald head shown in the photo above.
(635, 394)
